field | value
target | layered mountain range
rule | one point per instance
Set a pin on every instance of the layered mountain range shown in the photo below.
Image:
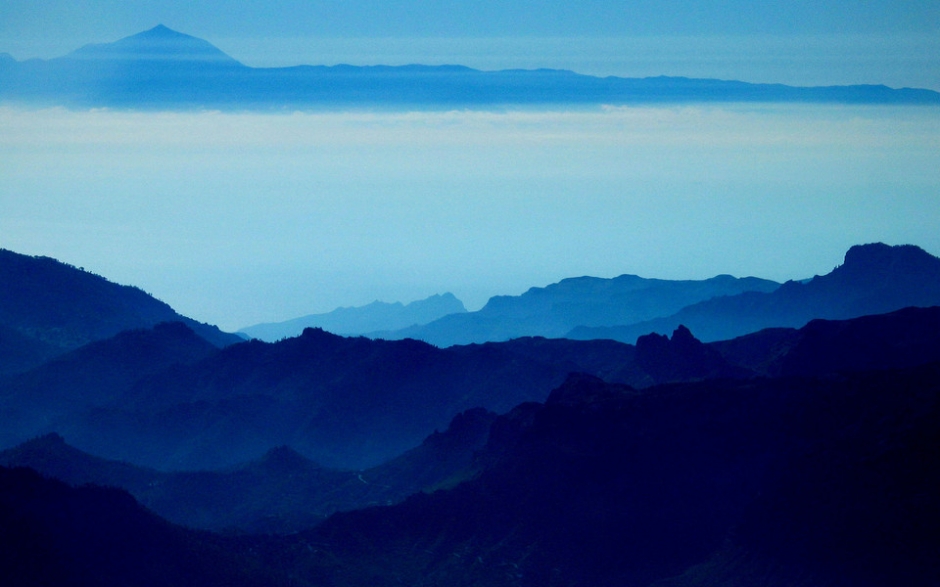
(164, 397)
(354, 321)
(874, 278)
(162, 68)
(796, 455)
(555, 310)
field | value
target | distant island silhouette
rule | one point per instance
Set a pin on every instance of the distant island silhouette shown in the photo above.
(161, 68)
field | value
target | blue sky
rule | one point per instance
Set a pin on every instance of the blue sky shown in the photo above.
(103, 19)
(237, 219)
(797, 42)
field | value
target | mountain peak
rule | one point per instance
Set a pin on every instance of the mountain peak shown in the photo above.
(162, 31)
(160, 43)
(880, 253)
(879, 261)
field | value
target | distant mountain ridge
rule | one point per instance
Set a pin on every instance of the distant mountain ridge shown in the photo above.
(552, 311)
(363, 319)
(161, 68)
(874, 279)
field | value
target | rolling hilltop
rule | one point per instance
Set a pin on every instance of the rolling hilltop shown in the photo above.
(162, 68)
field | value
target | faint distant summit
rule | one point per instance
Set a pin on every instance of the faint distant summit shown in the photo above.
(377, 316)
(163, 69)
(157, 44)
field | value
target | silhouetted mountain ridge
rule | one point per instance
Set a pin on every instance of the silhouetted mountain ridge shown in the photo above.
(874, 279)
(355, 402)
(281, 492)
(161, 68)
(63, 307)
(54, 534)
(94, 376)
(905, 338)
(361, 320)
(786, 481)
(821, 471)
(554, 310)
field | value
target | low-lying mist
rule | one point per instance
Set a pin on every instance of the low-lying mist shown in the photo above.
(242, 218)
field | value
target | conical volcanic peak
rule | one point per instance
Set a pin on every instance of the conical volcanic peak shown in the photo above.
(157, 44)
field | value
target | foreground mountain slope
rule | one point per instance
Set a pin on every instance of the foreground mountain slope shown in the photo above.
(795, 481)
(874, 279)
(57, 308)
(362, 320)
(161, 68)
(554, 310)
(53, 534)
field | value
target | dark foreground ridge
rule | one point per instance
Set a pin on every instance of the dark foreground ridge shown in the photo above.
(161, 68)
(787, 481)
(796, 481)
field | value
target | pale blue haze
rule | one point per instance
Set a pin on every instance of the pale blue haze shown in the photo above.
(244, 218)
(240, 219)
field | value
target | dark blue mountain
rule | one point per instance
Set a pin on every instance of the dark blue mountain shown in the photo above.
(554, 310)
(54, 534)
(363, 319)
(824, 475)
(789, 482)
(281, 492)
(159, 398)
(874, 279)
(48, 307)
(161, 68)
